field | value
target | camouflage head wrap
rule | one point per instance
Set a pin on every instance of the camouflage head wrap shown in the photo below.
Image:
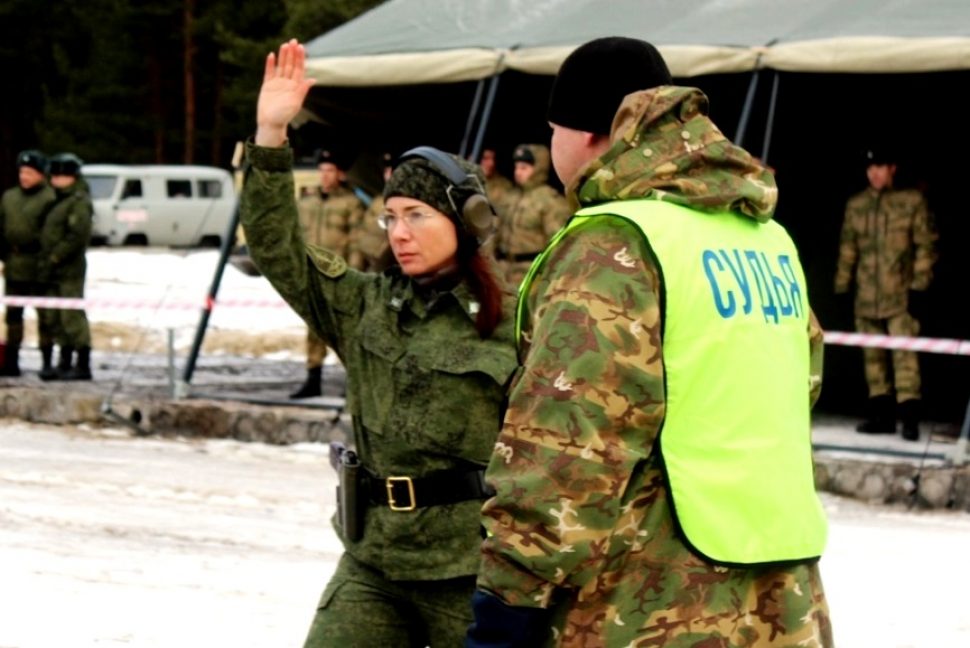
(420, 179)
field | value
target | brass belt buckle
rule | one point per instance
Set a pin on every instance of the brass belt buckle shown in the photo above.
(389, 484)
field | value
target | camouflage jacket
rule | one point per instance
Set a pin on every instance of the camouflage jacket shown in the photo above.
(370, 239)
(66, 233)
(330, 220)
(582, 522)
(533, 215)
(501, 193)
(423, 389)
(22, 216)
(888, 248)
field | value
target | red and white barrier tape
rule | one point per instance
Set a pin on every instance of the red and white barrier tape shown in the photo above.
(927, 345)
(921, 344)
(67, 303)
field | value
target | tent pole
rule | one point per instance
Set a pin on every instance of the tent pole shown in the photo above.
(746, 111)
(770, 124)
(486, 115)
(228, 240)
(471, 117)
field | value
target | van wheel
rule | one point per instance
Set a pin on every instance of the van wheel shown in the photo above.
(210, 241)
(98, 241)
(136, 239)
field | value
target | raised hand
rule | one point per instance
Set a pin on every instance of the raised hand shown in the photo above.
(282, 93)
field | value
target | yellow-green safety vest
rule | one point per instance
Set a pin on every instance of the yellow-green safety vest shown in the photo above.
(736, 435)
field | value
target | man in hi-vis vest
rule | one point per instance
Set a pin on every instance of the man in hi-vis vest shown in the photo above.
(653, 476)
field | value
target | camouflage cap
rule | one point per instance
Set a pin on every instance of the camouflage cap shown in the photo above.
(421, 179)
(32, 158)
(339, 159)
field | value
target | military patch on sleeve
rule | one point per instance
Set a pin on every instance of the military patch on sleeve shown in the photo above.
(328, 262)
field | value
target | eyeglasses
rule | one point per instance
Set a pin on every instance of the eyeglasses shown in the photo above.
(413, 219)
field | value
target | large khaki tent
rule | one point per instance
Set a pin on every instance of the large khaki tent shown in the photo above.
(836, 76)
(439, 41)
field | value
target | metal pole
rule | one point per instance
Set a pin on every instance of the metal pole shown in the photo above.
(486, 115)
(171, 363)
(770, 124)
(227, 244)
(961, 452)
(746, 110)
(471, 117)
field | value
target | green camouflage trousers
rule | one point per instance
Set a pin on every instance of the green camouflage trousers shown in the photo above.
(14, 315)
(362, 609)
(316, 350)
(905, 364)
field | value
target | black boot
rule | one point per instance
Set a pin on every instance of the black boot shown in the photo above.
(47, 370)
(81, 370)
(64, 362)
(11, 361)
(313, 385)
(909, 414)
(880, 417)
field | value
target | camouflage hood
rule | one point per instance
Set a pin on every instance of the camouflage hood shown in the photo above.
(665, 147)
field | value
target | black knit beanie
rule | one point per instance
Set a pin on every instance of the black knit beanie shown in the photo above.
(595, 78)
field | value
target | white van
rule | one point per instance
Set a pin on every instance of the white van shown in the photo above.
(179, 205)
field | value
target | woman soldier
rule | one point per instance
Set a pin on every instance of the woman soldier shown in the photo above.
(428, 350)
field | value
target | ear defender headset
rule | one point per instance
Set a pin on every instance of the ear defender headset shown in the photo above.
(474, 211)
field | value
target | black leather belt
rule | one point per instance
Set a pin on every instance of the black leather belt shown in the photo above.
(525, 256)
(401, 493)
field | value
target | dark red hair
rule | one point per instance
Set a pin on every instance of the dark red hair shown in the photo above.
(480, 272)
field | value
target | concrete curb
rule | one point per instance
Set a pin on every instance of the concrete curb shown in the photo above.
(866, 478)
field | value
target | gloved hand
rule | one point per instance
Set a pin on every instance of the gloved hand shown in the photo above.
(918, 304)
(498, 625)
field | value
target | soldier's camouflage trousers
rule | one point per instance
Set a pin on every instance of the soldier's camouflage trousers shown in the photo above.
(14, 315)
(69, 327)
(905, 364)
(316, 350)
(360, 608)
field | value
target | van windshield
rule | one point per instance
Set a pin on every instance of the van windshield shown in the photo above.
(102, 186)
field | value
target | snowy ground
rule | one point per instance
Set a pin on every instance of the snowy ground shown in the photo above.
(109, 540)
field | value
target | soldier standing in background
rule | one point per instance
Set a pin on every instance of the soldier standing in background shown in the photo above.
(63, 242)
(532, 219)
(22, 212)
(500, 189)
(330, 217)
(371, 238)
(888, 248)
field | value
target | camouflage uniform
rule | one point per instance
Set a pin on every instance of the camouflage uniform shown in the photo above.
(888, 249)
(582, 522)
(371, 239)
(22, 214)
(330, 221)
(425, 394)
(529, 220)
(64, 241)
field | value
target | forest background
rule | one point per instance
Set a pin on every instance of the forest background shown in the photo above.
(157, 82)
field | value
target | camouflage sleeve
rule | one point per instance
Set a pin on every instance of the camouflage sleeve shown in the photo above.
(924, 239)
(314, 281)
(79, 222)
(848, 254)
(556, 214)
(584, 410)
(816, 345)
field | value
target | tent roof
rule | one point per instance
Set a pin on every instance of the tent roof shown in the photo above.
(439, 41)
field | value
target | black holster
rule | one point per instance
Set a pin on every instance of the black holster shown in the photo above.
(350, 501)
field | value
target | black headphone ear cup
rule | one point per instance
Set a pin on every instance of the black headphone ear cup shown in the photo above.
(478, 217)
